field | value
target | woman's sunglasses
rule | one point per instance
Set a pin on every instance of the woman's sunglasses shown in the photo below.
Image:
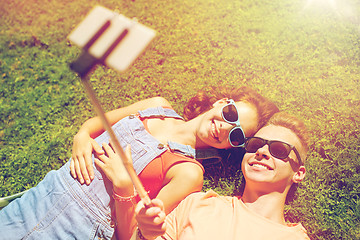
(230, 114)
(277, 149)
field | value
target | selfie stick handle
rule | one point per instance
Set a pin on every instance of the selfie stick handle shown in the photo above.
(83, 65)
(118, 149)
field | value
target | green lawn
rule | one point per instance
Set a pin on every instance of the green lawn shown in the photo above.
(305, 59)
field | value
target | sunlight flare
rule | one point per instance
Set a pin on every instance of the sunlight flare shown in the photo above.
(322, 3)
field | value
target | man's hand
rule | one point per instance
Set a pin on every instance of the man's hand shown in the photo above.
(151, 220)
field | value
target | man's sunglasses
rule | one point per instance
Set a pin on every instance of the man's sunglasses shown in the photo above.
(230, 114)
(277, 149)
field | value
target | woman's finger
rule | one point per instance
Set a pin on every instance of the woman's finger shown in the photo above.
(84, 171)
(128, 152)
(99, 163)
(108, 150)
(72, 168)
(97, 148)
(102, 157)
(78, 171)
(89, 166)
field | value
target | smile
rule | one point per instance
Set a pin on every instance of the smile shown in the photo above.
(259, 165)
(214, 132)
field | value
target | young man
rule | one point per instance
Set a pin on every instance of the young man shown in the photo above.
(273, 163)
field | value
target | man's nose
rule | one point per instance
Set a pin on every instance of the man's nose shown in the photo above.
(263, 152)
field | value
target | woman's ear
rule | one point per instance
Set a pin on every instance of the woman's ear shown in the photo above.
(299, 174)
(220, 102)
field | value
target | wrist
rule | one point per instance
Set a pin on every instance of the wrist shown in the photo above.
(81, 133)
(126, 192)
(123, 186)
(139, 235)
(125, 199)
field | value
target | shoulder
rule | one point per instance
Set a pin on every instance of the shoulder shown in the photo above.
(158, 102)
(187, 171)
(209, 199)
(200, 196)
(139, 106)
(299, 230)
(148, 103)
(192, 199)
(212, 198)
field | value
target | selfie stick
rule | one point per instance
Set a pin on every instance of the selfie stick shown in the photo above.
(118, 149)
(87, 61)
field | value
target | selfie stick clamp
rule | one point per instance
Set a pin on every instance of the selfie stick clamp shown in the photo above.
(82, 66)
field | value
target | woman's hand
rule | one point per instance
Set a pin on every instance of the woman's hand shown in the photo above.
(81, 162)
(114, 169)
(151, 220)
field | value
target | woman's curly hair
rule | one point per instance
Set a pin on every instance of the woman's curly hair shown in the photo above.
(206, 97)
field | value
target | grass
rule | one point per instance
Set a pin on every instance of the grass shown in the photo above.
(304, 59)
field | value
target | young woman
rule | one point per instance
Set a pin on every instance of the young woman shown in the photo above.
(273, 163)
(162, 148)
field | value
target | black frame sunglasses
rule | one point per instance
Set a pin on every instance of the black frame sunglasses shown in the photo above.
(230, 114)
(277, 149)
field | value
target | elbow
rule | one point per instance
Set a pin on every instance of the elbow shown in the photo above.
(160, 101)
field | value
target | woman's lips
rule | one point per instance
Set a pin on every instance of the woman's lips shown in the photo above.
(214, 130)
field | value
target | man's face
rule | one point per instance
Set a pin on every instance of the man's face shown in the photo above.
(263, 168)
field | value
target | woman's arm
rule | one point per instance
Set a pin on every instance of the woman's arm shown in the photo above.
(123, 190)
(94, 126)
(84, 143)
(183, 179)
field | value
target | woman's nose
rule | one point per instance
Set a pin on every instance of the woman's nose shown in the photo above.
(227, 126)
(224, 129)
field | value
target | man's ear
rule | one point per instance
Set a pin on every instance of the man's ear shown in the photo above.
(220, 102)
(299, 175)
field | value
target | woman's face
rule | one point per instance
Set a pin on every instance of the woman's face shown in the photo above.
(261, 167)
(214, 131)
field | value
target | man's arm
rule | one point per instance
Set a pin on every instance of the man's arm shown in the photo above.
(153, 224)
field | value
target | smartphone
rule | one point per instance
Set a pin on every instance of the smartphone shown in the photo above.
(111, 38)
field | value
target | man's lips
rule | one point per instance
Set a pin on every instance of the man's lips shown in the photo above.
(260, 165)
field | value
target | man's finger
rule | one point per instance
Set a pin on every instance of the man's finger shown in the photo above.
(158, 203)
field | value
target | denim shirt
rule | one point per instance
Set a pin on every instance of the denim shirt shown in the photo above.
(144, 147)
(59, 207)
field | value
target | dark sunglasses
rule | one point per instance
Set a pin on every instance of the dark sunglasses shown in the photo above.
(230, 114)
(277, 149)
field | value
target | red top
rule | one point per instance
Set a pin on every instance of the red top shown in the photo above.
(154, 173)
